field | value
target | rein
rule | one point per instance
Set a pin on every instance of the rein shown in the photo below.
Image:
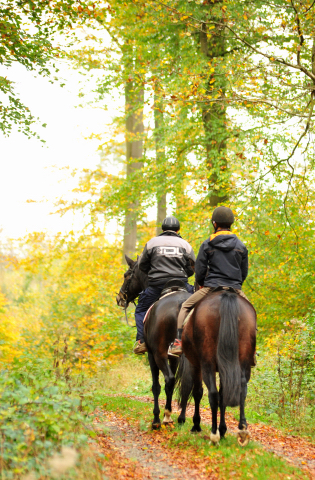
(124, 293)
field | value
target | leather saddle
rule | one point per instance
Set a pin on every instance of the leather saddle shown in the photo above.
(173, 286)
(225, 289)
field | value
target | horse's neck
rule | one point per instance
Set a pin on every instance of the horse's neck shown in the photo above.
(142, 278)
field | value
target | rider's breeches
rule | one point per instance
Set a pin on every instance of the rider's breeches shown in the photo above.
(191, 301)
(146, 299)
(189, 304)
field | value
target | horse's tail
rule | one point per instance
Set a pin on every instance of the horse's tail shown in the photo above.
(228, 350)
(184, 380)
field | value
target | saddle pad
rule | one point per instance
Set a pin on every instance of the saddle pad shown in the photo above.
(148, 311)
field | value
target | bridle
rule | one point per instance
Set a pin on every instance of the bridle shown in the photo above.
(124, 292)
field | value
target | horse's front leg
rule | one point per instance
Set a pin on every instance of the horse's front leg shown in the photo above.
(197, 394)
(222, 426)
(208, 373)
(156, 390)
(243, 434)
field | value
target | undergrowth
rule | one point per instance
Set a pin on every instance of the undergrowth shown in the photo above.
(42, 423)
(282, 388)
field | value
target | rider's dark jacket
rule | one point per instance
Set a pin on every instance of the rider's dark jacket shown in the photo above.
(222, 261)
(167, 257)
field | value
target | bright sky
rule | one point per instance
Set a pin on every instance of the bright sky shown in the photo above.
(30, 170)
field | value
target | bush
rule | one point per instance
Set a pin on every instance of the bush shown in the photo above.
(282, 387)
(39, 414)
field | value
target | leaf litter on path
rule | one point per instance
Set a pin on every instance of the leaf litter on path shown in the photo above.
(132, 455)
(296, 450)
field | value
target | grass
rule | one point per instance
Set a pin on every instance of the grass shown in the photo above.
(132, 376)
(227, 460)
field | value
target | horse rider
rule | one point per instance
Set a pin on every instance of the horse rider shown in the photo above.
(165, 257)
(222, 261)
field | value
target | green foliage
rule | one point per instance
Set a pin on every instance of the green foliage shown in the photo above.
(233, 86)
(27, 35)
(282, 389)
(39, 414)
(229, 89)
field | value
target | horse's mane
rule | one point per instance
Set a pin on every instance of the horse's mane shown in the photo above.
(143, 276)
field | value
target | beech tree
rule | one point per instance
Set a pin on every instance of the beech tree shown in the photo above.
(28, 31)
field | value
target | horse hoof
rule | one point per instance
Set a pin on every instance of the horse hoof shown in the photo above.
(181, 420)
(243, 438)
(167, 418)
(156, 426)
(195, 429)
(215, 438)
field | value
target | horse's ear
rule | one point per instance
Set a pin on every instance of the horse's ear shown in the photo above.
(129, 261)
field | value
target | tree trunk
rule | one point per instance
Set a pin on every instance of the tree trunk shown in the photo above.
(160, 158)
(134, 100)
(214, 119)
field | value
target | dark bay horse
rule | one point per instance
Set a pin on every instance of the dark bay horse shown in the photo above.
(160, 330)
(220, 336)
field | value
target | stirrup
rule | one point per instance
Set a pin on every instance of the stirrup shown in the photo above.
(175, 349)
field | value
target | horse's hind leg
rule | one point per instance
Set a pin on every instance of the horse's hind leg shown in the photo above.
(243, 435)
(156, 390)
(209, 379)
(243, 422)
(197, 394)
(222, 426)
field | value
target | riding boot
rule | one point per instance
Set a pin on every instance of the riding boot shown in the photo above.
(140, 347)
(175, 349)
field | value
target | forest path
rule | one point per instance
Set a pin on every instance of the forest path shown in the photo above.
(134, 455)
(294, 449)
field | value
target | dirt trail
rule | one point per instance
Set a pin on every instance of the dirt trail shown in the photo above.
(296, 450)
(133, 456)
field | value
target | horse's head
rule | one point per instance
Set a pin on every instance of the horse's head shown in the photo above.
(134, 283)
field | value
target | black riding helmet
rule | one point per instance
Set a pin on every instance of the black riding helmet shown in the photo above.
(223, 216)
(170, 223)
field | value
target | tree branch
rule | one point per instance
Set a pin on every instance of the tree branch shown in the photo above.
(271, 57)
(301, 38)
